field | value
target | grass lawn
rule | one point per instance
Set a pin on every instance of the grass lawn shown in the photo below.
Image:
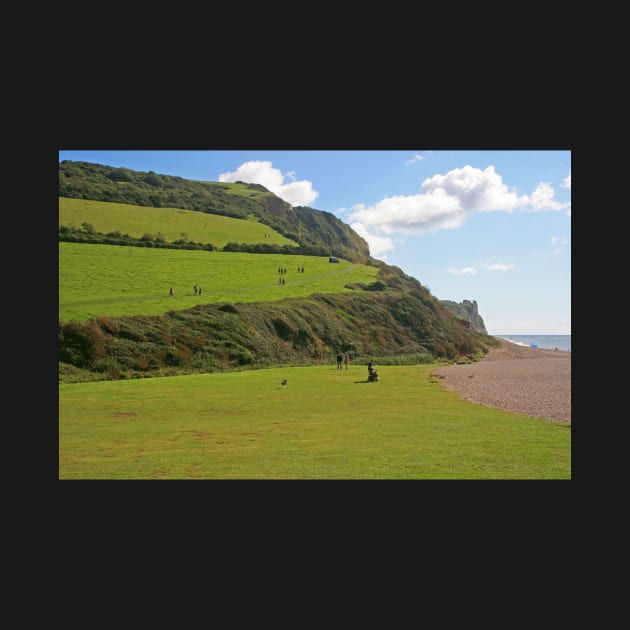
(326, 424)
(171, 223)
(112, 280)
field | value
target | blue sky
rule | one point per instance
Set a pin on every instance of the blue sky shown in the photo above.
(490, 226)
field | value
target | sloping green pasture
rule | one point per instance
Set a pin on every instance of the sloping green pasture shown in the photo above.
(112, 280)
(326, 424)
(242, 190)
(172, 223)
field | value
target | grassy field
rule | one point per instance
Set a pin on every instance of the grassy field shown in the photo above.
(111, 280)
(172, 223)
(326, 424)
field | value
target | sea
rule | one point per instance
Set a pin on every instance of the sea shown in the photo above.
(546, 342)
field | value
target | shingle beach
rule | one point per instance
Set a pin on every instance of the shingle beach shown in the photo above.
(531, 381)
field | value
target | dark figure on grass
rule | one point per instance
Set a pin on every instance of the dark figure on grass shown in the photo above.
(339, 360)
(170, 293)
(372, 373)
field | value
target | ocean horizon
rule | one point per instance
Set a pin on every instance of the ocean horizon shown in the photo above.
(546, 342)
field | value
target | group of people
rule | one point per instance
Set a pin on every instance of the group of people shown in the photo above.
(196, 289)
(345, 358)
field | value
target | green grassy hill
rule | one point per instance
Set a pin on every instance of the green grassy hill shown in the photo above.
(117, 321)
(110, 280)
(171, 223)
(312, 229)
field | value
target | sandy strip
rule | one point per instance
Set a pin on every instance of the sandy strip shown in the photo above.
(531, 381)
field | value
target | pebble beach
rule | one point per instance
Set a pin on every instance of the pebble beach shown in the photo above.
(531, 381)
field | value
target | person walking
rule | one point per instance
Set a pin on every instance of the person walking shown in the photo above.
(170, 293)
(346, 359)
(339, 360)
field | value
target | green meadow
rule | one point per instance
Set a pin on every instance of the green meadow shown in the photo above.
(110, 280)
(326, 424)
(171, 223)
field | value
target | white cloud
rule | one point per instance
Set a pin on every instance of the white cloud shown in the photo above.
(297, 193)
(475, 189)
(447, 200)
(416, 158)
(413, 214)
(462, 271)
(543, 198)
(566, 182)
(499, 266)
(377, 244)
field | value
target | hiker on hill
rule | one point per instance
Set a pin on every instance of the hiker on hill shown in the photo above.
(170, 293)
(339, 360)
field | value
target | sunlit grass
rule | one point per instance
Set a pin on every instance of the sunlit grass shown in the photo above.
(326, 424)
(111, 280)
(172, 223)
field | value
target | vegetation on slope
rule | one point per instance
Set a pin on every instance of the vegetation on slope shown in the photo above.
(111, 281)
(406, 325)
(392, 316)
(306, 226)
(84, 220)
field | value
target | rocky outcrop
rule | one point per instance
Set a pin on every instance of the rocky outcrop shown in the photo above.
(468, 311)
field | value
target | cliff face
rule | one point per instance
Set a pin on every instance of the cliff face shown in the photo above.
(467, 311)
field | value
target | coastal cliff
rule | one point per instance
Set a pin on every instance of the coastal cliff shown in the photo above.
(468, 311)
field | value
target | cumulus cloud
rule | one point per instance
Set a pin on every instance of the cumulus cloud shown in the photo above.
(475, 189)
(413, 214)
(543, 198)
(462, 271)
(446, 201)
(297, 193)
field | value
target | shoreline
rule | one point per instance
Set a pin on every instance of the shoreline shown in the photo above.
(532, 381)
(538, 347)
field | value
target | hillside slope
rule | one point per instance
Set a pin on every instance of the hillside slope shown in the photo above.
(393, 317)
(306, 226)
(395, 326)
